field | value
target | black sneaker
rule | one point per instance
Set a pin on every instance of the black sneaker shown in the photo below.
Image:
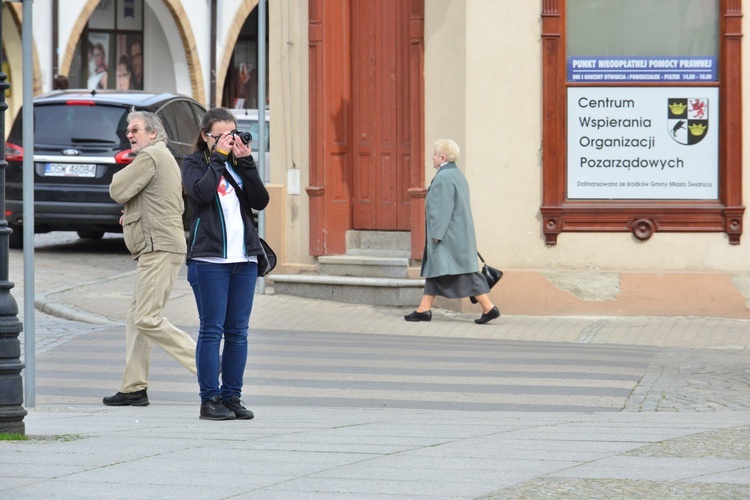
(137, 398)
(214, 410)
(234, 404)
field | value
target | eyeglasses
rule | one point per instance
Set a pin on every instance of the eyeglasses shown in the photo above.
(132, 131)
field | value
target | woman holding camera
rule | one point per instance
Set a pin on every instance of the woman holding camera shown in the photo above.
(223, 187)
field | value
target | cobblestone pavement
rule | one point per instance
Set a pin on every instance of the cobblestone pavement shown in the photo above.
(729, 444)
(63, 261)
(704, 380)
(620, 488)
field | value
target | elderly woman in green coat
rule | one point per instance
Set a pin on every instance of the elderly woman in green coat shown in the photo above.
(449, 264)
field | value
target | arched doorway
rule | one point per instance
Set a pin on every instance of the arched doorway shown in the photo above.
(240, 89)
(165, 36)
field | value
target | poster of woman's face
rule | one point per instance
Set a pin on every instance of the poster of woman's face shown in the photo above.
(98, 67)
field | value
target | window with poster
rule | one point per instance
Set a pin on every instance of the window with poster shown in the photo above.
(642, 117)
(110, 52)
(240, 89)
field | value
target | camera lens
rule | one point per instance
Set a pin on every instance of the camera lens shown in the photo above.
(245, 137)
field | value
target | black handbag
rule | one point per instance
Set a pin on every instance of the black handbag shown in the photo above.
(267, 261)
(491, 274)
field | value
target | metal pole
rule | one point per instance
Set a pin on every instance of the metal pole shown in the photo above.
(212, 60)
(11, 385)
(262, 119)
(28, 206)
(55, 39)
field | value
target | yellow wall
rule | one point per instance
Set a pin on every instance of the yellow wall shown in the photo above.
(12, 44)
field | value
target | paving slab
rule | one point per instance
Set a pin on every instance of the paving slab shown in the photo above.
(353, 453)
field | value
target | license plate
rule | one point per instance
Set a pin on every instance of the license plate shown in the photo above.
(69, 170)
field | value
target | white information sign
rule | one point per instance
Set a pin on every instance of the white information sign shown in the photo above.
(643, 143)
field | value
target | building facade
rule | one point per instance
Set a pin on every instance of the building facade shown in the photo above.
(590, 188)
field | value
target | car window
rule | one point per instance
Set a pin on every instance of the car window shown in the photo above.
(72, 125)
(122, 129)
(199, 112)
(179, 122)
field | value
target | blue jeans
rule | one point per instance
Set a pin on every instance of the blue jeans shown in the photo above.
(224, 296)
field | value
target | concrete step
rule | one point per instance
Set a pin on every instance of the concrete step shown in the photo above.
(378, 243)
(364, 266)
(353, 290)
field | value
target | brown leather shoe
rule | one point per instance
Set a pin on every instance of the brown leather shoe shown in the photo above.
(488, 316)
(419, 316)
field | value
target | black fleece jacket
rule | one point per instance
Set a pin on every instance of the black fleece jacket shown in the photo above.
(200, 179)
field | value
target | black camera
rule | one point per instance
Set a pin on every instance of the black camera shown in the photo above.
(245, 137)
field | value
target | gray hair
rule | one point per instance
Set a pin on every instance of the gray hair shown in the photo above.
(448, 148)
(152, 123)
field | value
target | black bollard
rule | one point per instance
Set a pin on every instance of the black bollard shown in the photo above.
(12, 411)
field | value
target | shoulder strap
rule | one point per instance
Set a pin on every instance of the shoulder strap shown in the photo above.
(243, 207)
(266, 266)
(230, 179)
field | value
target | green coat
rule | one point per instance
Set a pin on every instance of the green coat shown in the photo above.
(448, 219)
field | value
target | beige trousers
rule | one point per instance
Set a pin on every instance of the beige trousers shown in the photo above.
(145, 326)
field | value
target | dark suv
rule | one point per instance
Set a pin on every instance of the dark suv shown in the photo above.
(79, 143)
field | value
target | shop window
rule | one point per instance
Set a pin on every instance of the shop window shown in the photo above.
(109, 55)
(642, 117)
(240, 90)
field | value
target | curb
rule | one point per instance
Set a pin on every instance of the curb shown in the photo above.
(60, 310)
(64, 311)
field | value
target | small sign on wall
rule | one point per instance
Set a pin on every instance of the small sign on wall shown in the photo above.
(643, 143)
(642, 69)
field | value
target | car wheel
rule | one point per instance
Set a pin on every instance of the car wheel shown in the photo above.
(90, 234)
(16, 238)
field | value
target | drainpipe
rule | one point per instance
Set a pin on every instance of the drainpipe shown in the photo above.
(262, 120)
(55, 38)
(212, 90)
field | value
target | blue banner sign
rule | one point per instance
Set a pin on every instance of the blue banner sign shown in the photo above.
(642, 69)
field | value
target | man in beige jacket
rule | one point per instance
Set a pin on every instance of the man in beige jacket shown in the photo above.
(150, 188)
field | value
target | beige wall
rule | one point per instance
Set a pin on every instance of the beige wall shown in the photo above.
(289, 98)
(483, 89)
(12, 22)
(446, 76)
(12, 42)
